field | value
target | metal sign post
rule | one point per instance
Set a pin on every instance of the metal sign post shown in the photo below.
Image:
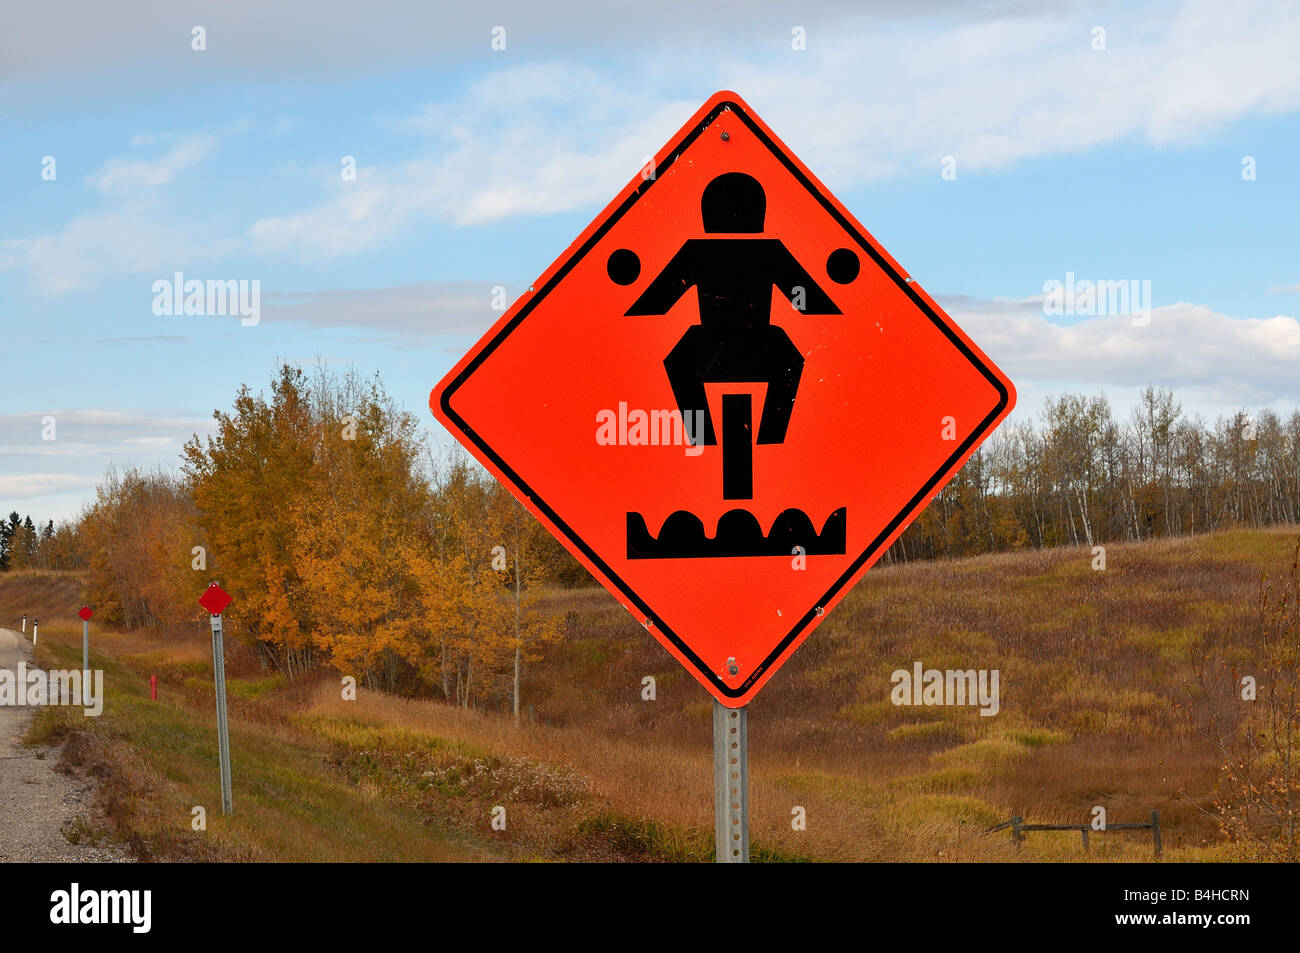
(215, 599)
(85, 613)
(223, 733)
(730, 784)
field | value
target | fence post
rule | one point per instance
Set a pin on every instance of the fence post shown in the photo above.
(1084, 830)
(1015, 830)
(1155, 832)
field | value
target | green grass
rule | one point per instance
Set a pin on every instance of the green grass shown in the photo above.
(290, 804)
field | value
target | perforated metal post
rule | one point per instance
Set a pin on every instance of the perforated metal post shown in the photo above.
(730, 785)
(85, 645)
(223, 735)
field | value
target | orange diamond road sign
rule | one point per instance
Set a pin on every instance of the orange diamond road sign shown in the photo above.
(725, 399)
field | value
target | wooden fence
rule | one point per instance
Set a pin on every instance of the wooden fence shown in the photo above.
(1018, 828)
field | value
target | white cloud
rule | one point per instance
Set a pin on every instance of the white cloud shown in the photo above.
(133, 231)
(135, 237)
(123, 176)
(1226, 361)
(310, 39)
(40, 484)
(992, 94)
(527, 140)
(85, 434)
(872, 97)
(861, 104)
(57, 476)
(416, 313)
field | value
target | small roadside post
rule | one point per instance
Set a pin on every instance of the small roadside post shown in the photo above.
(36, 623)
(24, 623)
(85, 612)
(215, 599)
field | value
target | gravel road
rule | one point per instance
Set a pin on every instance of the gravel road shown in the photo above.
(37, 801)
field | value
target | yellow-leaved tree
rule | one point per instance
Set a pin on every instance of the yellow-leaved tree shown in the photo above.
(360, 534)
(247, 481)
(136, 539)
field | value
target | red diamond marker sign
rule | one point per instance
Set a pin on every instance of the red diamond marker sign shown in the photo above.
(725, 399)
(85, 613)
(215, 599)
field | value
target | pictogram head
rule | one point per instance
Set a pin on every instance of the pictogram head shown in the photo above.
(733, 202)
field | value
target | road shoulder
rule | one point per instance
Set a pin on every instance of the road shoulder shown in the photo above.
(38, 801)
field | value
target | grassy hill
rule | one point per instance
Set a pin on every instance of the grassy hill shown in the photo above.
(1095, 671)
(39, 595)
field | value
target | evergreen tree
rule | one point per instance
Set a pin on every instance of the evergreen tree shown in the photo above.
(8, 529)
(30, 540)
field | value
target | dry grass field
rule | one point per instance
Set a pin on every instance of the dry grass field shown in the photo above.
(1095, 675)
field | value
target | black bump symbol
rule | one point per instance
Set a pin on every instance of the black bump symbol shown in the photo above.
(623, 266)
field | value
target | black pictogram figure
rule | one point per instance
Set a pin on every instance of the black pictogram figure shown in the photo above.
(735, 339)
(735, 342)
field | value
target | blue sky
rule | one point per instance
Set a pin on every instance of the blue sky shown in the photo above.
(476, 167)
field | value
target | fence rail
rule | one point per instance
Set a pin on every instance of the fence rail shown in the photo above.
(1018, 827)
